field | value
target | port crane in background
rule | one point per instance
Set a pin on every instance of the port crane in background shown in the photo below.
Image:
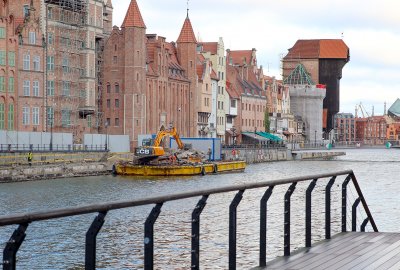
(360, 107)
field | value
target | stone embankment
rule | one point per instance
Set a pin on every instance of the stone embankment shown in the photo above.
(39, 172)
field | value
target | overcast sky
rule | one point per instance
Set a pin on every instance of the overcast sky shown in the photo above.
(370, 28)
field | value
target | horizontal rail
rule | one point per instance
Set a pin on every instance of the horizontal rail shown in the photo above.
(104, 207)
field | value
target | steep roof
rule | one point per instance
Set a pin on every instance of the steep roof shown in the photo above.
(211, 47)
(299, 75)
(394, 110)
(239, 57)
(187, 34)
(133, 18)
(319, 49)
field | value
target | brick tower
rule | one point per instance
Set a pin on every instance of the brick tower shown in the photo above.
(186, 50)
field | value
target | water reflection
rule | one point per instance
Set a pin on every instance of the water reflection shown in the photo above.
(59, 244)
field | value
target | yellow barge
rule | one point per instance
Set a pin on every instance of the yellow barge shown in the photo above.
(175, 170)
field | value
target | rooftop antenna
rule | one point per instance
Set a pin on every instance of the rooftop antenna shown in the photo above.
(372, 110)
(187, 8)
(342, 35)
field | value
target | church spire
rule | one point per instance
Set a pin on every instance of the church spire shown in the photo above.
(133, 18)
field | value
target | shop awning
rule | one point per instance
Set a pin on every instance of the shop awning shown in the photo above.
(255, 136)
(269, 136)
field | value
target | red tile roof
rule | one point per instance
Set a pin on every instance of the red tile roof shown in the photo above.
(187, 34)
(211, 47)
(133, 18)
(239, 57)
(319, 49)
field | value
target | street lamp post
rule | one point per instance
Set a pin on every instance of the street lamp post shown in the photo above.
(106, 125)
(51, 128)
(315, 138)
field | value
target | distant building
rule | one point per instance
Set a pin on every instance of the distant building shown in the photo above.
(345, 127)
(371, 130)
(324, 59)
(306, 102)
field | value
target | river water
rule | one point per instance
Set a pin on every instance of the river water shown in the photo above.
(59, 244)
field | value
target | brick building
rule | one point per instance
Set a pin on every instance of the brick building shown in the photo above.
(50, 47)
(149, 82)
(324, 59)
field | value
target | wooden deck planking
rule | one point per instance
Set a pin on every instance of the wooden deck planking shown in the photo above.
(350, 250)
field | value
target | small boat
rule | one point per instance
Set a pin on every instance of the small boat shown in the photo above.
(126, 168)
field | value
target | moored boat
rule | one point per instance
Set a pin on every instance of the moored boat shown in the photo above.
(125, 168)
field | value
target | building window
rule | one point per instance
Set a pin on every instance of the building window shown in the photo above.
(26, 10)
(65, 117)
(116, 88)
(115, 59)
(25, 115)
(36, 63)
(2, 32)
(35, 88)
(66, 88)
(50, 88)
(10, 116)
(117, 122)
(11, 59)
(89, 121)
(35, 116)
(50, 63)
(50, 38)
(117, 103)
(11, 84)
(32, 38)
(108, 121)
(65, 64)
(2, 114)
(3, 58)
(27, 61)
(2, 84)
(50, 13)
(108, 103)
(108, 88)
(50, 116)
(27, 88)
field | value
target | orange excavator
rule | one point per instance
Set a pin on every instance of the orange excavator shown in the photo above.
(151, 149)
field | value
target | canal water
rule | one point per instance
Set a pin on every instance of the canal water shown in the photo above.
(59, 244)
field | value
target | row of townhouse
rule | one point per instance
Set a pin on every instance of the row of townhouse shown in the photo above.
(66, 69)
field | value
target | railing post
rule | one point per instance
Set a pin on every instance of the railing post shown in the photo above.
(365, 222)
(91, 234)
(354, 215)
(12, 246)
(344, 202)
(328, 207)
(232, 228)
(149, 237)
(196, 232)
(364, 203)
(308, 212)
(263, 226)
(286, 225)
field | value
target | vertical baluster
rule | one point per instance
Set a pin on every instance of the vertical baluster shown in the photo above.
(365, 222)
(344, 202)
(308, 212)
(91, 234)
(196, 232)
(263, 226)
(328, 207)
(286, 226)
(12, 246)
(354, 214)
(232, 228)
(149, 236)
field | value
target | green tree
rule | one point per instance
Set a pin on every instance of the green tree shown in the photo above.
(267, 122)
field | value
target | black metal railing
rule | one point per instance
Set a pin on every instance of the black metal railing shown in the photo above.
(23, 220)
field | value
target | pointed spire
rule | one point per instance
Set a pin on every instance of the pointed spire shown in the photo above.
(187, 34)
(109, 4)
(133, 18)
